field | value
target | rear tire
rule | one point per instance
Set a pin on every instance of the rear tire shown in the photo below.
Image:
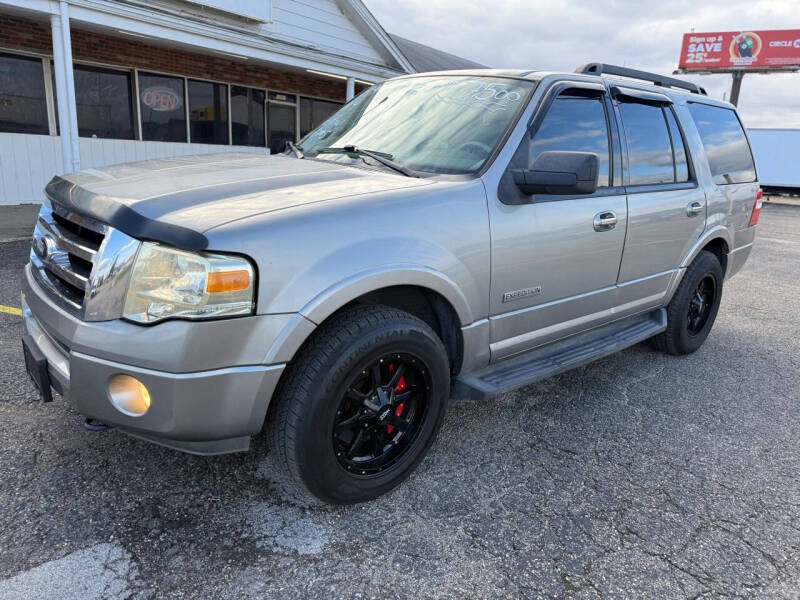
(359, 408)
(693, 308)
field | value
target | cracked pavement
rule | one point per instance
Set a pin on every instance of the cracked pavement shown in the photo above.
(638, 476)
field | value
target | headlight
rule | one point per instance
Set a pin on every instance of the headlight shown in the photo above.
(168, 283)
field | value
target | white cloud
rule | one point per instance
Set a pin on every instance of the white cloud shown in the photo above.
(561, 34)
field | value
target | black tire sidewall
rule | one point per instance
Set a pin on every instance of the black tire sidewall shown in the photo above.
(706, 264)
(318, 466)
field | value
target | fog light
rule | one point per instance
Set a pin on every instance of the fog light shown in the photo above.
(128, 395)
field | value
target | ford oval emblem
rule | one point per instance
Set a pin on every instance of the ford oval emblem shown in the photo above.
(45, 246)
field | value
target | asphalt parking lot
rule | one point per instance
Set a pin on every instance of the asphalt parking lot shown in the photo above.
(640, 475)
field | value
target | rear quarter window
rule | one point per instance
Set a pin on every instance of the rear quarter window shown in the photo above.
(727, 150)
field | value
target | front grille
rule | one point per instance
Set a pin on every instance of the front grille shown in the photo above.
(63, 253)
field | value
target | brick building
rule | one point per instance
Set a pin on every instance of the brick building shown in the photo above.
(134, 79)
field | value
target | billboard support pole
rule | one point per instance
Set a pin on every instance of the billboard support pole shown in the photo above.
(736, 86)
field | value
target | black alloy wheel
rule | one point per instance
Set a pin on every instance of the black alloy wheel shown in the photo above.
(380, 415)
(701, 304)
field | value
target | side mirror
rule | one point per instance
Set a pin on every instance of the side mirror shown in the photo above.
(559, 173)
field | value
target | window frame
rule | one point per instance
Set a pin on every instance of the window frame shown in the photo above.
(690, 174)
(227, 111)
(185, 81)
(744, 133)
(509, 194)
(660, 107)
(48, 88)
(295, 105)
(300, 98)
(631, 189)
(134, 99)
(263, 113)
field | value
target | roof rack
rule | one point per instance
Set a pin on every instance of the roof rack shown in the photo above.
(661, 80)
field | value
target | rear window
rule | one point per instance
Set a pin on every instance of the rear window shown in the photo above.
(726, 146)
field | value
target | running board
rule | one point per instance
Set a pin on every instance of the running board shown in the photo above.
(559, 356)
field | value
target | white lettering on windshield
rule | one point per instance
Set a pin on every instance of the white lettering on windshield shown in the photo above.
(489, 96)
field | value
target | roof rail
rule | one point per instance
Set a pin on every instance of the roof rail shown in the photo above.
(661, 80)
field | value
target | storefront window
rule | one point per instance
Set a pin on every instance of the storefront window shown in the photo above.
(103, 99)
(23, 104)
(161, 102)
(208, 112)
(247, 116)
(314, 112)
(281, 113)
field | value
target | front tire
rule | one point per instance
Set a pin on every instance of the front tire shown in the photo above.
(693, 308)
(361, 405)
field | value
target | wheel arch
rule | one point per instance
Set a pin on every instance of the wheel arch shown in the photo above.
(420, 291)
(339, 295)
(717, 240)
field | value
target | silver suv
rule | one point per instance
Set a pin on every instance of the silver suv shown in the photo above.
(459, 233)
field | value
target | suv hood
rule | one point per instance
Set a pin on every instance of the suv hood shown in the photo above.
(191, 194)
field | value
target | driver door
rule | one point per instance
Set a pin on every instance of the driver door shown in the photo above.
(554, 264)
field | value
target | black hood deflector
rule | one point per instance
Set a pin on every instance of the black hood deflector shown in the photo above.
(122, 217)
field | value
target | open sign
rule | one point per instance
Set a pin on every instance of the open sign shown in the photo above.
(161, 99)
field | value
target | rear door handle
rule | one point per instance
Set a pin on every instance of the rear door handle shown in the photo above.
(693, 208)
(605, 220)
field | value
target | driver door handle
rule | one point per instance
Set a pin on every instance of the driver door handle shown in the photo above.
(605, 220)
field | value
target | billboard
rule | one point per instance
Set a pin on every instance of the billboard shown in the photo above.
(748, 50)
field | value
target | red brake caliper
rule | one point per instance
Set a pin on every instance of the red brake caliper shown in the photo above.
(400, 387)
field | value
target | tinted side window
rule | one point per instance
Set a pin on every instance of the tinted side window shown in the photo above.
(23, 108)
(575, 125)
(208, 112)
(247, 116)
(649, 145)
(103, 100)
(161, 105)
(678, 148)
(314, 112)
(726, 146)
(280, 120)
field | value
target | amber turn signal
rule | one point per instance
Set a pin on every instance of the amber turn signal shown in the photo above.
(228, 281)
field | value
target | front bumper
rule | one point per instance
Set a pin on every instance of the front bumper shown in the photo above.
(209, 385)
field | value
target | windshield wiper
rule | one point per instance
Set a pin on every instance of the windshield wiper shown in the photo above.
(295, 149)
(381, 157)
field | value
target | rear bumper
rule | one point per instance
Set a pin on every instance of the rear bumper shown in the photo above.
(209, 411)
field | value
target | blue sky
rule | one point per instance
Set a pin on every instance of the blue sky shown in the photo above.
(559, 35)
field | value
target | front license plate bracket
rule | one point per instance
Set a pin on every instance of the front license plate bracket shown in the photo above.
(36, 365)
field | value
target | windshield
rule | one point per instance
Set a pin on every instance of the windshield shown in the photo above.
(432, 124)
